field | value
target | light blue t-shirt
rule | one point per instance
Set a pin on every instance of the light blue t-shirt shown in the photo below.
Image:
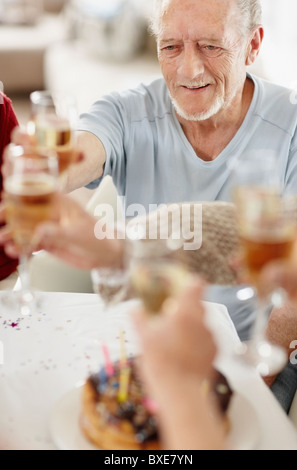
(152, 162)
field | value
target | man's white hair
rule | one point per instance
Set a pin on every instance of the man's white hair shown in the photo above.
(251, 12)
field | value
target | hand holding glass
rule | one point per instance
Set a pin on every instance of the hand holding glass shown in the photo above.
(53, 123)
(29, 195)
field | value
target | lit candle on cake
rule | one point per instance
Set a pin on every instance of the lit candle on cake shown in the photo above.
(124, 371)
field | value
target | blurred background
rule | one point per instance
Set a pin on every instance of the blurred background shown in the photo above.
(87, 47)
(92, 47)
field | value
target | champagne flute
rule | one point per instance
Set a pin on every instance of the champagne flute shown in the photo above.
(53, 123)
(267, 232)
(155, 274)
(29, 194)
(111, 284)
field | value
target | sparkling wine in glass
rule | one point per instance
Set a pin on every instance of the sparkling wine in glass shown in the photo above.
(53, 124)
(267, 233)
(155, 274)
(29, 194)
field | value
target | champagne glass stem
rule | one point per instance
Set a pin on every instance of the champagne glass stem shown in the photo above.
(266, 357)
(260, 322)
(26, 298)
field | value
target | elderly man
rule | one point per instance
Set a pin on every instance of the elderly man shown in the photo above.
(172, 140)
(187, 125)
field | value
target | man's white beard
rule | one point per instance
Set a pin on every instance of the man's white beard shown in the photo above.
(214, 109)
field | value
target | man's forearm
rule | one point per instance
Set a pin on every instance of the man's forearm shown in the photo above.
(90, 165)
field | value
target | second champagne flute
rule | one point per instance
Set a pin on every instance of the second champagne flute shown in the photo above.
(267, 233)
(29, 194)
(156, 275)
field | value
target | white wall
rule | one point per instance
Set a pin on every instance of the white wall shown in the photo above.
(278, 58)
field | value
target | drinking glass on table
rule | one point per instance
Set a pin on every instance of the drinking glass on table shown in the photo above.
(267, 232)
(29, 196)
(53, 123)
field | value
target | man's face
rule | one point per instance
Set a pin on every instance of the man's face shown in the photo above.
(202, 55)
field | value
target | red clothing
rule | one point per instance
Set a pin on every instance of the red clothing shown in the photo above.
(8, 121)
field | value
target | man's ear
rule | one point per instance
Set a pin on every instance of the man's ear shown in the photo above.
(254, 45)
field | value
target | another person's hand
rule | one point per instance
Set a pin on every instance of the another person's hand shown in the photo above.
(176, 342)
(74, 240)
(5, 235)
(21, 137)
(177, 358)
(71, 237)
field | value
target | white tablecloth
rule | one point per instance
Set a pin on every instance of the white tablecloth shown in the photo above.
(47, 355)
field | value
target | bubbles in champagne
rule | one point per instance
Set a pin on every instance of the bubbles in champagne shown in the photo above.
(154, 283)
(55, 133)
(29, 201)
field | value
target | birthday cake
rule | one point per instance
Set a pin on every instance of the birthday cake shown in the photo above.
(123, 418)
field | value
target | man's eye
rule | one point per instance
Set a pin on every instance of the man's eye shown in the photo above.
(210, 51)
(171, 50)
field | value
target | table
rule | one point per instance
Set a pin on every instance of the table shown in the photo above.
(47, 355)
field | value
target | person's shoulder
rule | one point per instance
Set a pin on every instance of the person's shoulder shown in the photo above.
(147, 99)
(5, 101)
(153, 90)
(272, 89)
(157, 85)
(277, 104)
(7, 112)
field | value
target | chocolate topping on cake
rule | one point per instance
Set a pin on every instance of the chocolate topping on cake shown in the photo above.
(133, 410)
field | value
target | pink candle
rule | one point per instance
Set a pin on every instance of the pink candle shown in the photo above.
(108, 364)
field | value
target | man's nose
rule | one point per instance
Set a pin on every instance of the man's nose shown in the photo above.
(192, 62)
